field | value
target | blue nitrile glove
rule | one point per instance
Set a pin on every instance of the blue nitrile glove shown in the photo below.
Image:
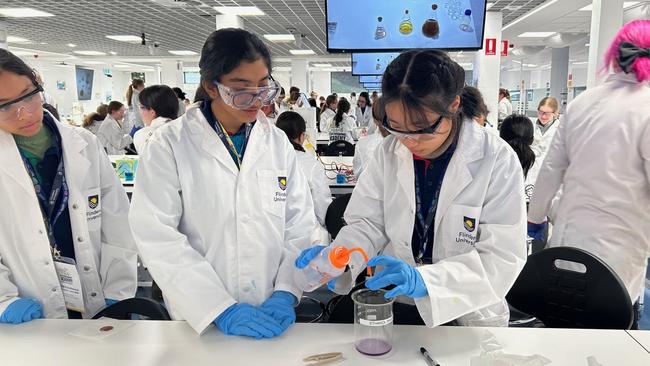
(246, 320)
(134, 130)
(407, 279)
(536, 231)
(22, 311)
(308, 255)
(110, 302)
(280, 307)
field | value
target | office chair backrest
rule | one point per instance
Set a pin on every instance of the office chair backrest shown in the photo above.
(566, 298)
(123, 310)
(334, 221)
(339, 147)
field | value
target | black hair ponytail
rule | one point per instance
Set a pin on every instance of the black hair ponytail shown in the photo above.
(343, 107)
(518, 131)
(293, 126)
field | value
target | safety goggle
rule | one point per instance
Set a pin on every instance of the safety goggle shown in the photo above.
(28, 102)
(244, 98)
(423, 134)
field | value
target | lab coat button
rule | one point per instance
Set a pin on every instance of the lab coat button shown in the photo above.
(80, 239)
(93, 294)
(47, 262)
(86, 268)
(74, 206)
(53, 289)
(40, 232)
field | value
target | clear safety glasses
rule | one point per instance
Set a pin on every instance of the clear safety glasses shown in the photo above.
(423, 134)
(245, 98)
(29, 103)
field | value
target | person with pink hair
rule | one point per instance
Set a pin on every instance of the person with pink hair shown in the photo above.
(601, 157)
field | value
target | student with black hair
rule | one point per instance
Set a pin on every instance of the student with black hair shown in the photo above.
(157, 108)
(181, 101)
(295, 127)
(442, 201)
(473, 105)
(342, 126)
(66, 250)
(517, 130)
(221, 210)
(364, 110)
(328, 111)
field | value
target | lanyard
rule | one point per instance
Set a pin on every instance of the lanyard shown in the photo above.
(223, 135)
(424, 224)
(53, 213)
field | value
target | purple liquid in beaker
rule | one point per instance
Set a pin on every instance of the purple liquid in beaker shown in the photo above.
(373, 346)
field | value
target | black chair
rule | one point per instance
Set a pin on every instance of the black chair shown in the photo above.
(310, 310)
(334, 221)
(123, 310)
(339, 148)
(562, 298)
(340, 310)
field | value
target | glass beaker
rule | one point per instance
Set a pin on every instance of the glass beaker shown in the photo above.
(373, 322)
(405, 26)
(431, 27)
(380, 31)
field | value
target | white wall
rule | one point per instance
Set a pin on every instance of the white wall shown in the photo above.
(284, 78)
(321, 82)
(511, 79)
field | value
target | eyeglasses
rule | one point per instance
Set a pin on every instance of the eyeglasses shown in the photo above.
(423, 134)
(545, 114)
(244, 98)
(29, 102)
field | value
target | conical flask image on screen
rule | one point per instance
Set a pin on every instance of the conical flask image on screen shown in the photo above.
(405, 26)
(380, 32)
(431, 27)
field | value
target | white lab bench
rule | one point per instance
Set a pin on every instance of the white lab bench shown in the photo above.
(642, 337)
(159, 343)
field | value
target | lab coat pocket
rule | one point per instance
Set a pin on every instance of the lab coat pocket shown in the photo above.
(461, 226)
(93, 203)
(273, 190)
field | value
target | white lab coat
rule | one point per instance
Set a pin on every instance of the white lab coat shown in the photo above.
(141, 138)
(540, 146)
(505, 108)
(135, 118)
(473, 269)
(325, 118)
(104, 249)
(181, 108)
(364, 119)
(364, 151)
(319, 185)
(212, 235)
(345, 131)
(601, 155)
(112, 136)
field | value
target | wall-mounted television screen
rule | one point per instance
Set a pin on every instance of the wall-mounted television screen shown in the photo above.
(372, 85)
(371, 63)
(84, 83)
(344, 82)
(383, 25)
(370, 78)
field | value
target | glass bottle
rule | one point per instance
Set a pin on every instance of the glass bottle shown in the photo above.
(431, 27)
(405, 26)
(380, 32)
(466, 22)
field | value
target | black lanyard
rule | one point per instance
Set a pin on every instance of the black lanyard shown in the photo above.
(59, 188)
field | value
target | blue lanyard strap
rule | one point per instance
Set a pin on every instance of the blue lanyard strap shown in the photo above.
(49, 210)
(227, 141)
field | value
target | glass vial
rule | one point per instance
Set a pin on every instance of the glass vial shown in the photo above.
(466, 22)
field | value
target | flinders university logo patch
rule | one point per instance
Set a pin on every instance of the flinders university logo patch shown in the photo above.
(93, 202)
(282, 182)
(469, 223)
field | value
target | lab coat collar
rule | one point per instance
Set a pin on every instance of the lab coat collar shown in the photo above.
(204, 136)
(623, 77)
(76, 164)
(158, 121)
